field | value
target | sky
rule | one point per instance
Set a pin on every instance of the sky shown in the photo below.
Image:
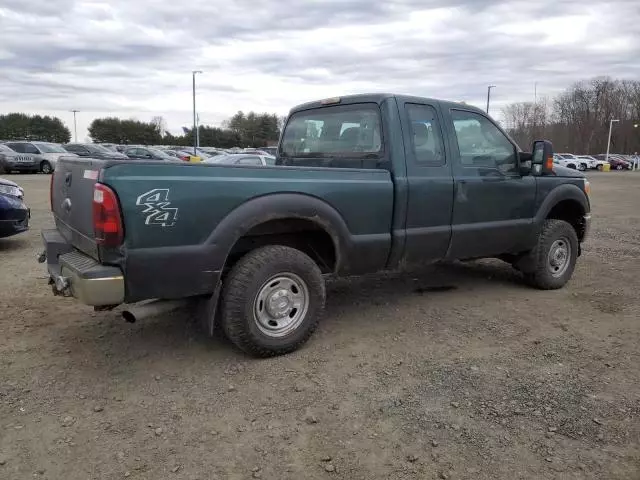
(134, 58)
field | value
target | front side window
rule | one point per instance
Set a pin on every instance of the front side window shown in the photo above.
(346, 131)
(426, 135)
(482, 145)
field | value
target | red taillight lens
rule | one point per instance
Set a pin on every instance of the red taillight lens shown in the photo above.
(185, 158)
(107, 223)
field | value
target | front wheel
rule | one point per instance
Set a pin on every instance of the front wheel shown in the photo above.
(45, 167)
(272, 301)
(554, 257)
(582, 167)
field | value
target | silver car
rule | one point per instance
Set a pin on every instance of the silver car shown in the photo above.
(46, 153)
(12, 161)
(242, 159)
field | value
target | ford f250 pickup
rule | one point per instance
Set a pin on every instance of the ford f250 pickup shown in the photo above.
(361, 184)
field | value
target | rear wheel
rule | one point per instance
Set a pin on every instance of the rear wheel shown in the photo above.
(618, 167)
(582, 167)
(554, 257)
(599, 167)
(272, 301)
(45, 167)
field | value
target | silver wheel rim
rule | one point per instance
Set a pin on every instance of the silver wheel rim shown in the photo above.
(559, 257)
(46, 168)
(281, 305)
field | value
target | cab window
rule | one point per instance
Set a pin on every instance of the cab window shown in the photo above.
(482, 145)
(341, 131)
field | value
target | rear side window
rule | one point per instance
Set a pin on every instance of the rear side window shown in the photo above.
(426, 135)
(341, 131)
(18, 147)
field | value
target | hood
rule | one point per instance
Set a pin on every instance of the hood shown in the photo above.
(560, 171)
(4, 181)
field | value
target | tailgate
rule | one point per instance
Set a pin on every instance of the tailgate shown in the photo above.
(72, 201)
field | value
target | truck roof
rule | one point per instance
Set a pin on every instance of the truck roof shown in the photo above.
(377, 98)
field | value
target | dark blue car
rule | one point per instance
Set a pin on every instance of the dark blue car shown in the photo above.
(14, 214)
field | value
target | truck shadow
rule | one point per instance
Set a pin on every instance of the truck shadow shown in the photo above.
(179, 335)
(439, 279)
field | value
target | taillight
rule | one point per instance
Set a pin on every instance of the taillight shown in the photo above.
(107, 223)
(185, 158)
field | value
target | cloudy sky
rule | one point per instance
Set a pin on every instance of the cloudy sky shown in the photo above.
(133, 58)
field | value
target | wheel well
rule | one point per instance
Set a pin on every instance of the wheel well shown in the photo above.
(572, 212)
(304, 235)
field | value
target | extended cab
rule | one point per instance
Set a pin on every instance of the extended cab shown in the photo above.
(362, 183)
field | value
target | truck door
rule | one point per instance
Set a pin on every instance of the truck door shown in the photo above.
(493, 203)
(430, 184)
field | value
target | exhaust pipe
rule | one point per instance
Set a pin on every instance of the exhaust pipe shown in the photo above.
(149, 308)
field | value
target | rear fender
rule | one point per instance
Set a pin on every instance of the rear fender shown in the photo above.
(263, 209)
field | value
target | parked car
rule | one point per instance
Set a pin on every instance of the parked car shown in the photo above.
(270, 150)
(183, 155)
(14, 214)
(93, 150)
(148, 153)
(12, 161)
(46, 153)
(445, 182)
(572, 161)
(616, 162)
(592, 162)
(563, 162)
(242, 159)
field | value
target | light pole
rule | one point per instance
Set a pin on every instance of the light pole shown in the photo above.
(195, 121)
(75, 127)
(606, 159)
(489, 96)
(535, 93)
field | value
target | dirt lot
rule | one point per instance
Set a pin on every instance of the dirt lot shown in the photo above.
(485, 380)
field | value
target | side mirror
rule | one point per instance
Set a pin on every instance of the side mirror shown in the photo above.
(542, 157)
(524, 163)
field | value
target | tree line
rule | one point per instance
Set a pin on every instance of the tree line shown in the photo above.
(577, 120)
(243, 130)
(20, 126)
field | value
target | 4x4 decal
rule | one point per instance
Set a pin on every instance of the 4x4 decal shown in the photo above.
(157, 208)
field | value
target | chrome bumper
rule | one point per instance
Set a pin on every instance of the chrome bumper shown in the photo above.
(74, 274)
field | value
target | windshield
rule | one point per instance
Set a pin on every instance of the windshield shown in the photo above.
(50, 148)
(99, 149)
(351, 131)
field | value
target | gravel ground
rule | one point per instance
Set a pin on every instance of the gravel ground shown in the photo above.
(456, 372)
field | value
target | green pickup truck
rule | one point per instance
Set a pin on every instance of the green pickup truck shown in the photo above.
(361, 184)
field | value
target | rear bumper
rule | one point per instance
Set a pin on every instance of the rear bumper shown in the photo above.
(22, 167)
(72, 273)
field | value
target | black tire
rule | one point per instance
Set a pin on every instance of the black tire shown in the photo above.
(240, 303)
(541, 275)
(618, 167)
(599, 168)
(45, 167)
(582, 167)
(571, 165)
